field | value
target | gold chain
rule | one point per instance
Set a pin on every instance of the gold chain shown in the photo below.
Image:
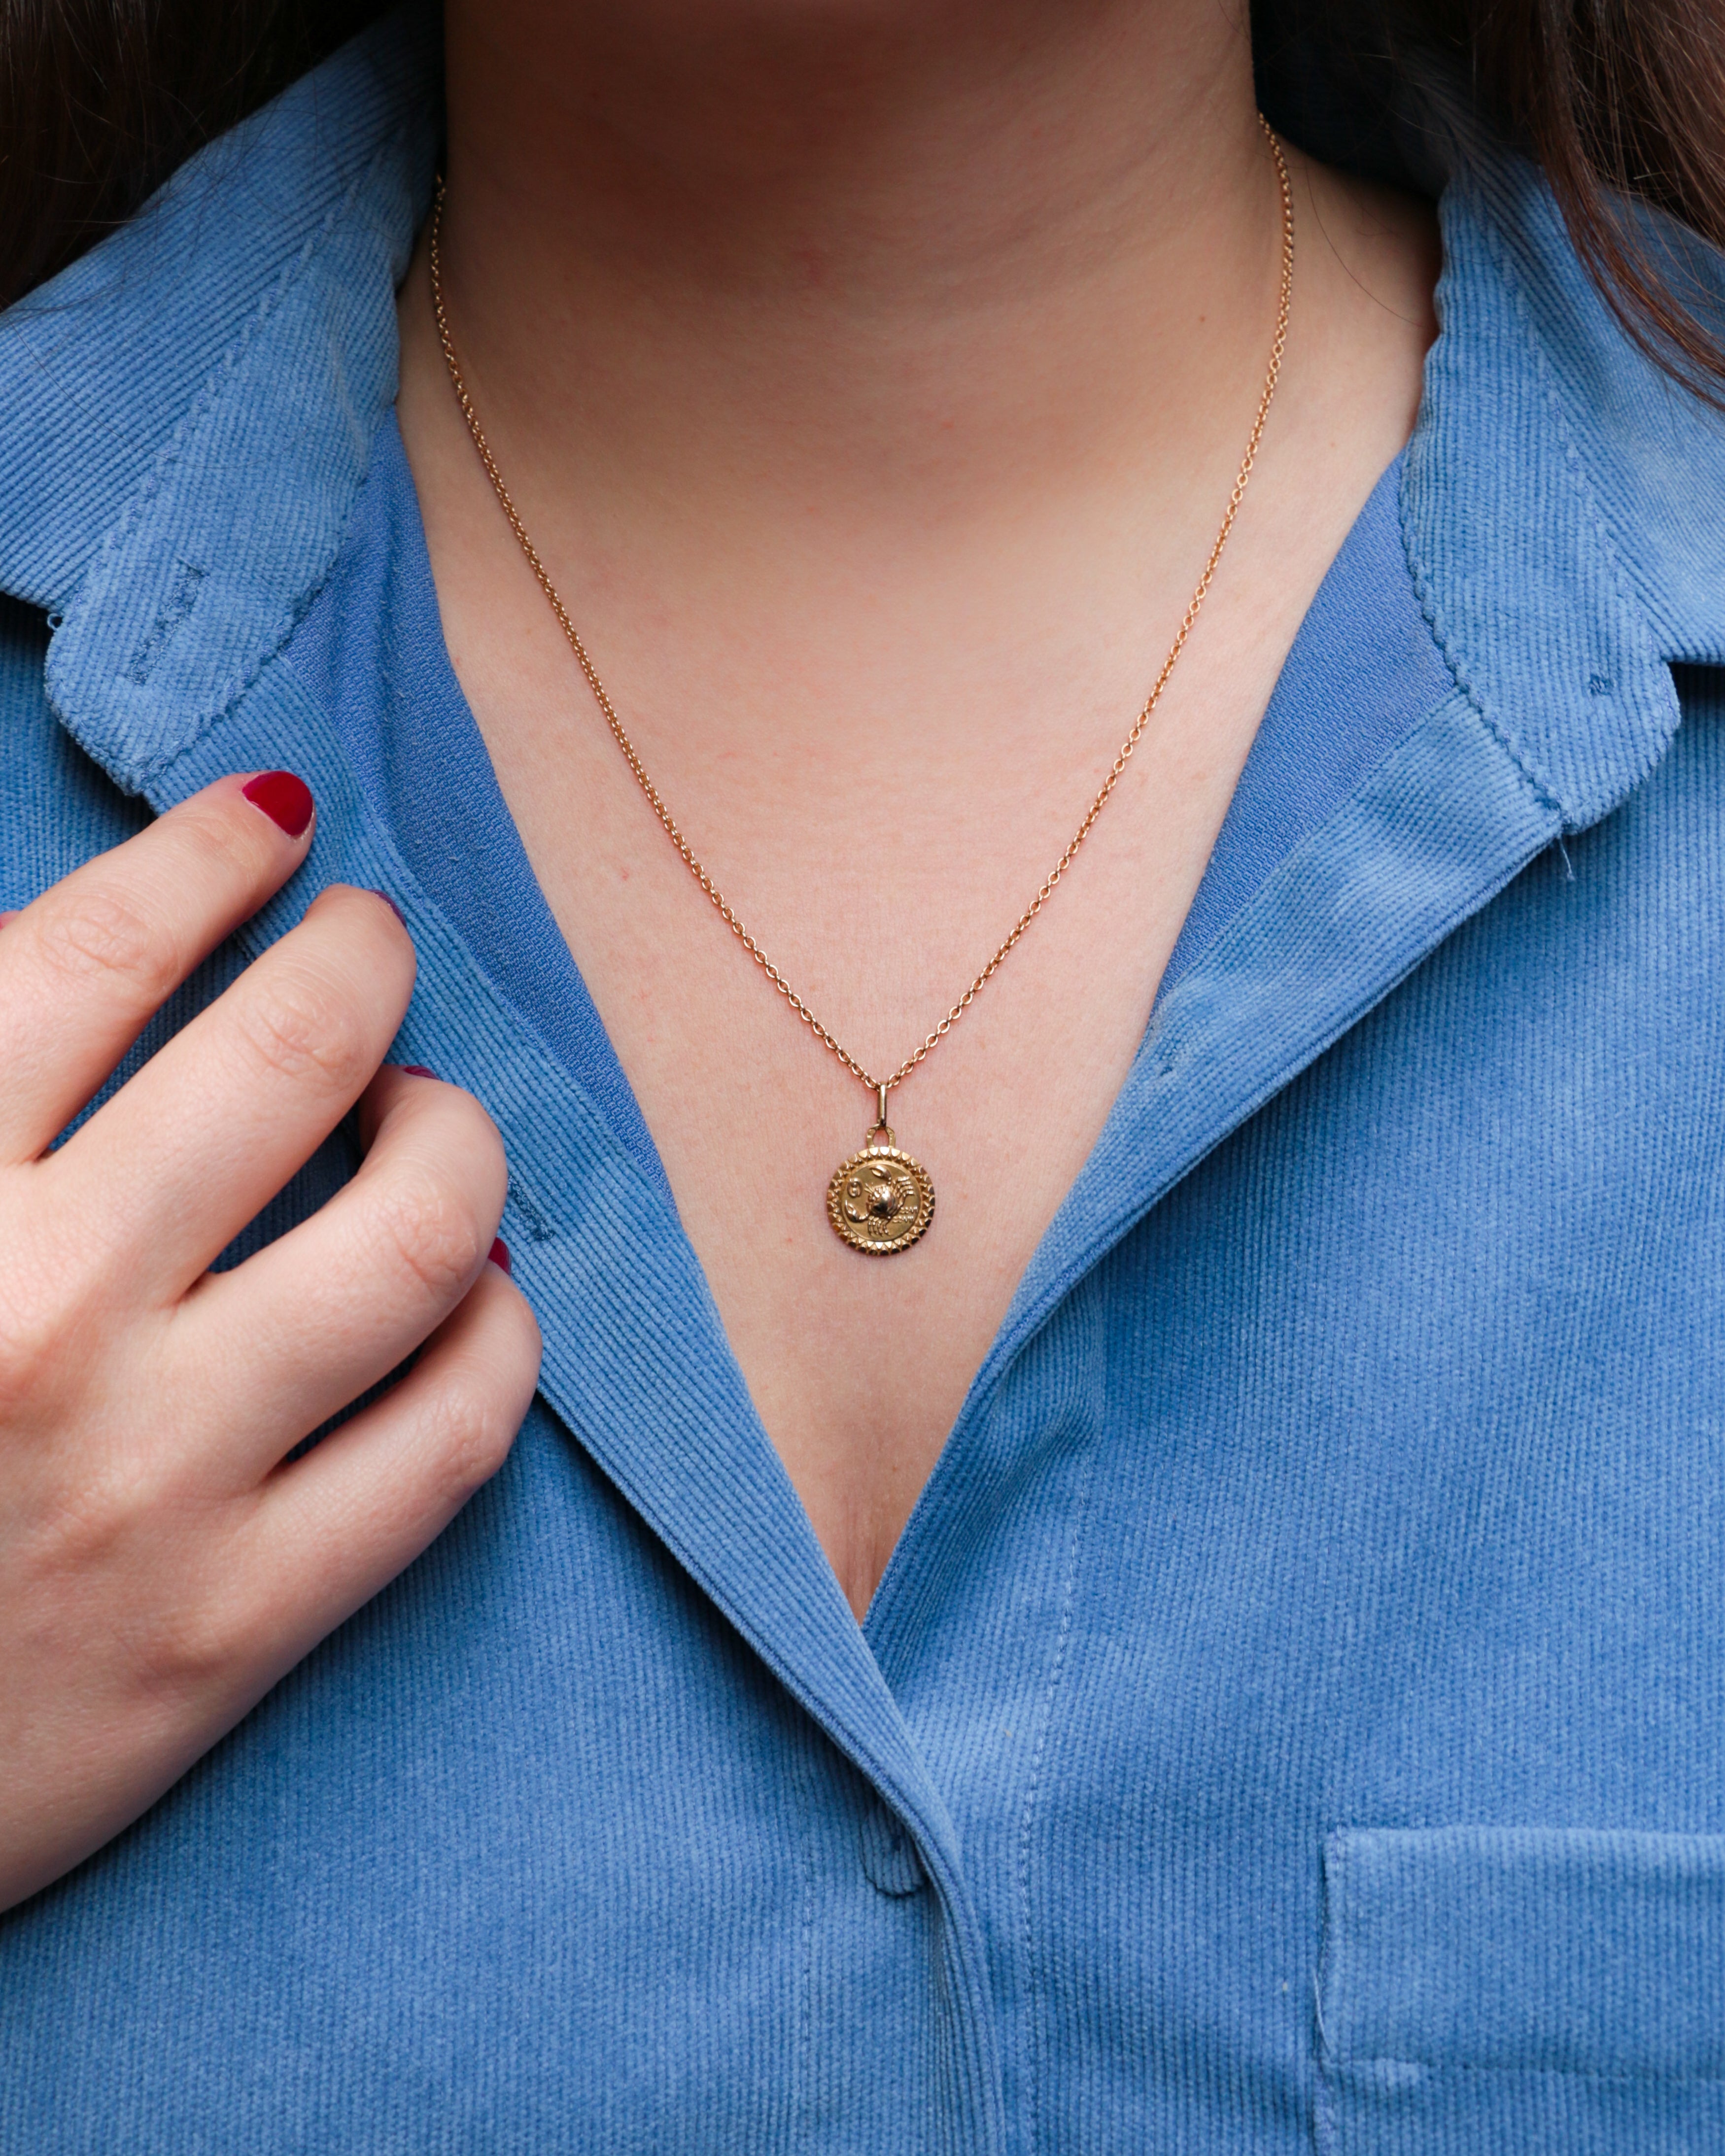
(881, 1087)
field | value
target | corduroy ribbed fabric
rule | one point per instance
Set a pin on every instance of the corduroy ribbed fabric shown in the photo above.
(1295, 1714)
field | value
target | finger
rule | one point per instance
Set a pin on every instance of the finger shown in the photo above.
(291, 1337)
(334, 1527)
(84, 967)
(166, 1173)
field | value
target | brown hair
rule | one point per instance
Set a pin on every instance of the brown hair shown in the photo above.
(99, 100)
(1620, 100)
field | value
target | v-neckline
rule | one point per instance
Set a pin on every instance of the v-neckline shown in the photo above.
(1360, 676)
(1360, 672)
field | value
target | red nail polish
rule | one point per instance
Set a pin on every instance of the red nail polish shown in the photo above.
(500, 1255)
(416, 1071)
(284, 799)
(391, 903)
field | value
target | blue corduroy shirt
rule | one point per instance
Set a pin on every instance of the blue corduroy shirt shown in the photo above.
(1295, 1714)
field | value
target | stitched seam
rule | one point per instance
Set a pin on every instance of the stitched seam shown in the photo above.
(222, 375)
(217, 385)
(1443, 638)
(1651, 2077)
(1438, 627)
(1580, 476)
(1579, 472)
(1326, 1976)
(1331, 1947)
(1068, 1595)
(803, 2107)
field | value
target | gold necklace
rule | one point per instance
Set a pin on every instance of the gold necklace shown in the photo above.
(881, 1200)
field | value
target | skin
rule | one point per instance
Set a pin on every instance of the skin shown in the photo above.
(872, 377)
(162, 1567)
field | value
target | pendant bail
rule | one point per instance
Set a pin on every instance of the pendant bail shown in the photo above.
(881, 1120)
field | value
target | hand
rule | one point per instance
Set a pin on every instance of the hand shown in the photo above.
(160, 1566)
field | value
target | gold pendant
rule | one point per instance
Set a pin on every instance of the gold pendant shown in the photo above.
(881, 1200)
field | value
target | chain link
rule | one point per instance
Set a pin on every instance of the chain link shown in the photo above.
(726, 912)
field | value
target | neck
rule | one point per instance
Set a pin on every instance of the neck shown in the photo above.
(909, 256)
(872, 375)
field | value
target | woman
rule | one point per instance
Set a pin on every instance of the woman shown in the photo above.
(1145, 1576)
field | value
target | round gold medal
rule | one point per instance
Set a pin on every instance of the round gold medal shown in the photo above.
(881, 1200)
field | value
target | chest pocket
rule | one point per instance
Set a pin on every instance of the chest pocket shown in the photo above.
(1522, 1989)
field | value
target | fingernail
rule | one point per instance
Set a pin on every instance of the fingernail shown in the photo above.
(284, 799)
(416, 1071)
(500, 1255)
(391, 903)
(5, 917)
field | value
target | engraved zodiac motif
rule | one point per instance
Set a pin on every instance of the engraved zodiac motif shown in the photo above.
(879, 1194)
(881, 1200)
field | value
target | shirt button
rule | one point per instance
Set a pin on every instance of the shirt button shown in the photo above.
(888, 1855)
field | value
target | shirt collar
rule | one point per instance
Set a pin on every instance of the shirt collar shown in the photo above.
(1563, 501)
(187, 412)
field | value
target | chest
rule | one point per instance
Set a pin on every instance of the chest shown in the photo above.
(1313, 1508)
(880, 884)
(877, 750)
